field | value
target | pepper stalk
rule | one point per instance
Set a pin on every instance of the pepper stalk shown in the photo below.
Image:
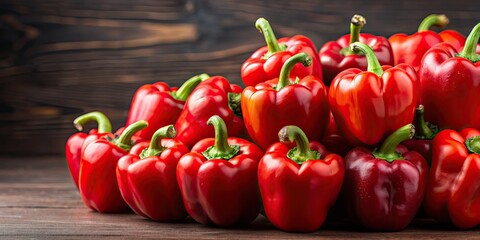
(104, 125)
(302, 152)
(221, 148)
(155, 148)
(387, 150)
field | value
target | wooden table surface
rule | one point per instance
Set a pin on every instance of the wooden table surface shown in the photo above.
(39, 200)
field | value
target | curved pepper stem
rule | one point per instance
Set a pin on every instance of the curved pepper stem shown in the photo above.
(469, 50)
(264, 27)
(422, 128)
(104, 125)
(221, 149)
(155, 148)
(473, 144)
(284, 79)
(187, 87)
(125, 139)
(387, 150)
(439, 20)
(372, 60)
(302, 151)
(356, 25)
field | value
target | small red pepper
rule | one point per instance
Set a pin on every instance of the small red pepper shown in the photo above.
(410, 49)
(214, 96)
(450, 82)
(424, 134)
(267, 62)
(370, 105)
(97, 181)
(336, 56)
(383, 189)
(148, 181)
(299, 185)
(269, 106)
(218, 179)
(160, 105)
(453, 189)
(78, 141)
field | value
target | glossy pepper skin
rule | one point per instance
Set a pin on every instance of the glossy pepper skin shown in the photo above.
(370, 105)
(97, 179)
(266, 63)
(454, 179)
(383, 189)
(148, 181)
(450, 83)
(336, 56)
(299, 185)
(214, 96)
(218, 179)
(410, 49)
(78, 141)
(334, 141)
(424, 134)
(159, 104)
(269, 106)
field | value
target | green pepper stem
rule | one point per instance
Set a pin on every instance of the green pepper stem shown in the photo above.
(187, 87)
(423, 131)
(387, 150)
(439, 20)
(284, 79)
(264, 27)
(125, 139)
(302, 151)
(104, 125)
(372, 60)
(155, 148)
(220, 149)
(473, 144)
(469, 50)
(356, 25)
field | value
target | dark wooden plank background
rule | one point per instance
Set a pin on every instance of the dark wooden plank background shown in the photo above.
(62, 58)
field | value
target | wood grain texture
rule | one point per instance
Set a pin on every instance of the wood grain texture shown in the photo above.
(39, 200)
(59, 59)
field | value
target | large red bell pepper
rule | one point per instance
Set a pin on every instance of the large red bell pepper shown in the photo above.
(453, 189)
(370, 105)
(299, 185)
(424, 134)
(336, 56)
(160, 105)
(218, 179)
(97, 180)
(266, 63)
(214, 96)
(410, 49)
(77, 142)
(450, 83)
(383, 189)
(148, 181)
(269, 106)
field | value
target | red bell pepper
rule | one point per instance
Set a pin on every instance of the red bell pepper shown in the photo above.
(97, 181)
(299, 185)
(77, 142)
(160, 105)
(267, 62)
(334, 141)
(449, 82)
(148, 181)
(424, 134)
(383, 189)
(269, 106)
(410, 49)
(336, 56)
(214, 96)
(370, 105)
(452, 193)
(218, 179)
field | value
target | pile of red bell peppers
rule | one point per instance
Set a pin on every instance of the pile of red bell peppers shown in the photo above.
(368, 129)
